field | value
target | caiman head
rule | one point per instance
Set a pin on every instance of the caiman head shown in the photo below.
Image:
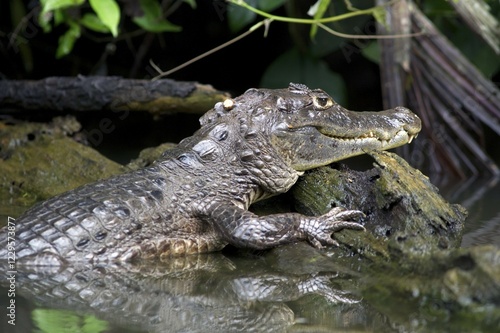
(308, 129)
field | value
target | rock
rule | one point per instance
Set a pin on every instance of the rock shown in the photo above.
(39, 161)
(149, 155)
(405, 215)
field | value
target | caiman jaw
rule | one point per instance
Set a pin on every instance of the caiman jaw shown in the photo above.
(383, 139)
(312, 138)
(377, 130)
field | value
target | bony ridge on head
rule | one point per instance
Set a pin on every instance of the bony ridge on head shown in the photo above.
(228, 104)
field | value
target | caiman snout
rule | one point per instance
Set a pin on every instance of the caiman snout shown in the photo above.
(412, 123)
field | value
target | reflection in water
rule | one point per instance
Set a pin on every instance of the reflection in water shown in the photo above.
(202, 293)
(486, 232)
(480, 198)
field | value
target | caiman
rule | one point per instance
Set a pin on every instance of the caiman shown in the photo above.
(195, 197)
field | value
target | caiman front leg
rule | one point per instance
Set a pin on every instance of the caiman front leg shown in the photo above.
(242, 228)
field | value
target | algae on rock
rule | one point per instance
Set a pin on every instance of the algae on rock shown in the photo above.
(405, 214)
(39, 161)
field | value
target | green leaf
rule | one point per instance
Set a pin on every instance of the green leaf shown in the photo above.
(293, 66)
(51, 9)
(67, 41)
(192, 3)
(92, 22)
(319, 9)
(379, 14)
(239, 17)
(59, 17)
(325, 43)
(153, 20)
(50, 5)
(17, 13)
(269, 5)
(475, 49)
(55, 321)
(108, 12)
(44, 21)
(372, 52)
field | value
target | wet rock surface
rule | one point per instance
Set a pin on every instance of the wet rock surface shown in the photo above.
(149, 155)
(405, 213)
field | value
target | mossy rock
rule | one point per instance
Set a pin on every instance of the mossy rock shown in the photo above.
(39, 161)
(149, 155)
(405, 214)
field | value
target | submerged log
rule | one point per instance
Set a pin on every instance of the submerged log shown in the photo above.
(108, 93)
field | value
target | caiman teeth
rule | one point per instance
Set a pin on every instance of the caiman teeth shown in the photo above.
(382, 137)
(367, 135)
(411, 137)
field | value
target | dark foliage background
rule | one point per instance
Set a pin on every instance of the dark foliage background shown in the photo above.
(234, 69)
(346, 68)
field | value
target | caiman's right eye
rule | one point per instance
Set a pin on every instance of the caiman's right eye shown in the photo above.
(322, 103)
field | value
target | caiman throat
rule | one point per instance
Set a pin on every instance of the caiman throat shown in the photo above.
(195, 198)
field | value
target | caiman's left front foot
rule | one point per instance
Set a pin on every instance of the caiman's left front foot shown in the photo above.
(319, 229)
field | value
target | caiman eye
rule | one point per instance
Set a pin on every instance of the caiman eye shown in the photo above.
(322, 103)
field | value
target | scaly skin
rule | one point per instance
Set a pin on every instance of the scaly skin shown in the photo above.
(195, 198)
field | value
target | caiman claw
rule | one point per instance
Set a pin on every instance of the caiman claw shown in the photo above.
(319, 229)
